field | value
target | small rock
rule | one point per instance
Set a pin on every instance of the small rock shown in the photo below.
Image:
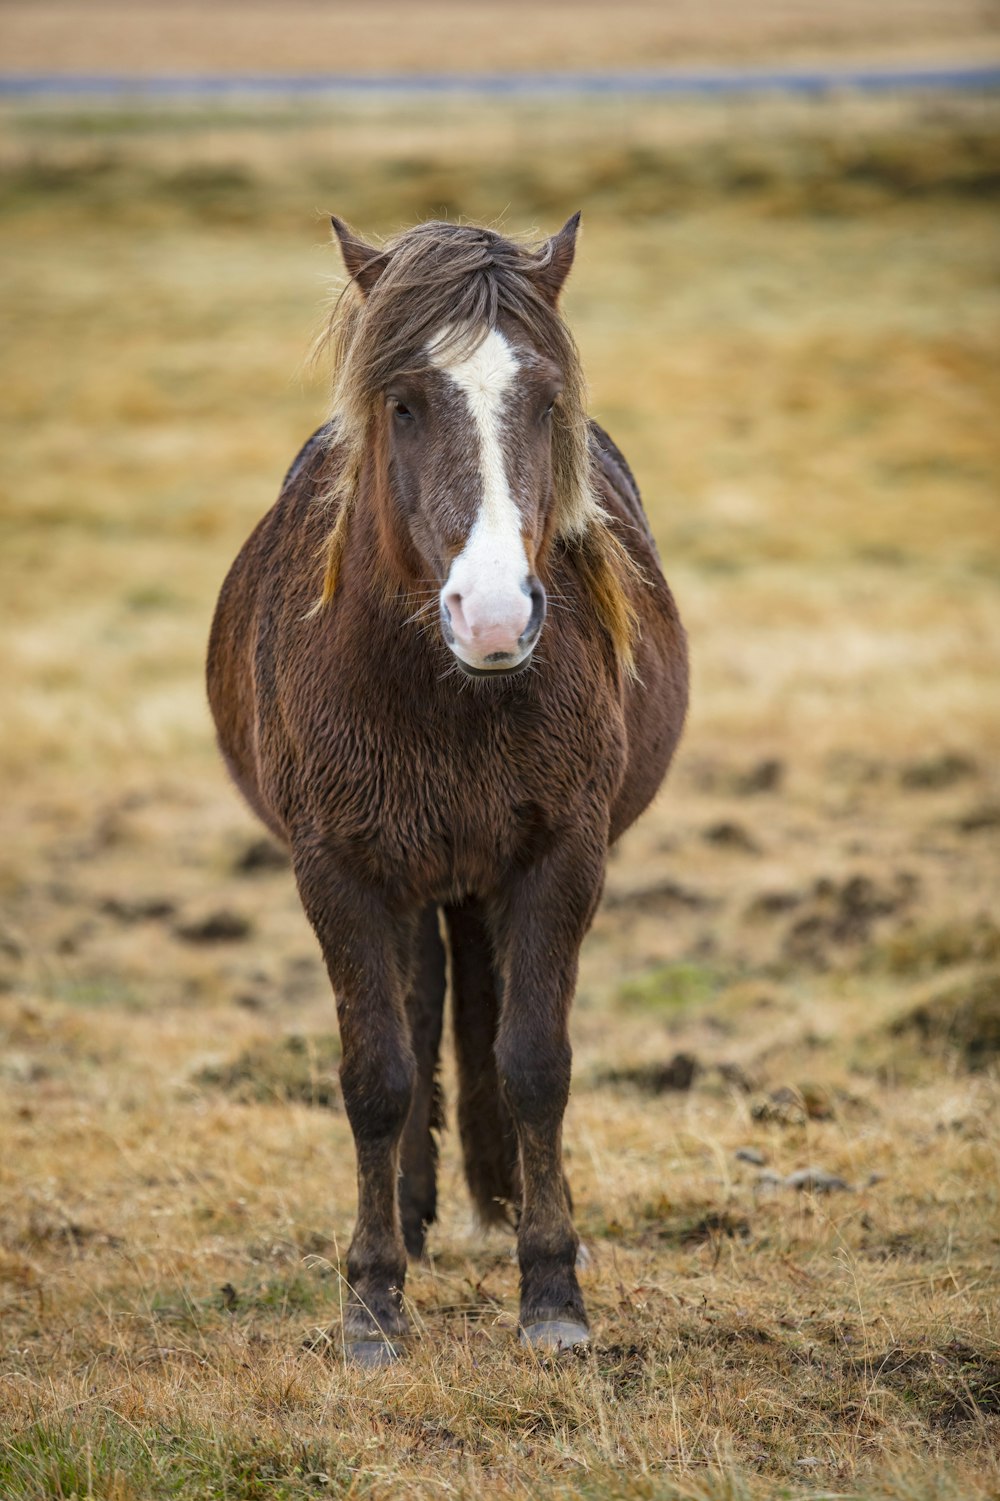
(816, 1180)
(753, 1155)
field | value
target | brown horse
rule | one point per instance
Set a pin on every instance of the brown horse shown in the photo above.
(388, 702)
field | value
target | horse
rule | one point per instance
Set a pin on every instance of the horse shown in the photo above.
(447, 673)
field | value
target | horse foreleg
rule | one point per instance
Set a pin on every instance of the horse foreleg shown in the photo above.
(544, 916)
(362, 941)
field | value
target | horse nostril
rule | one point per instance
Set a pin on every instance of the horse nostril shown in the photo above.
(536, 594)
(455, 613)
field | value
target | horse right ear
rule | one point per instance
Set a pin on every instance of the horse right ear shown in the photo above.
(557, 258)
(364, 264)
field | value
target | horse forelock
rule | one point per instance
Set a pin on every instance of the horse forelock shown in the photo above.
(445, 287)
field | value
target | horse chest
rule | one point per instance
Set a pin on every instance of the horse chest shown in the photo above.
(446, 803)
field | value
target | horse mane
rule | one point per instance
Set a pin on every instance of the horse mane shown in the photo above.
(463, 278)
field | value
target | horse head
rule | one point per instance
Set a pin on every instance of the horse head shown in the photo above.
(456, 363)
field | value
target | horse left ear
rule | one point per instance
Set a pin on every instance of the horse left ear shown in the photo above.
(557, 259)
(364, 263)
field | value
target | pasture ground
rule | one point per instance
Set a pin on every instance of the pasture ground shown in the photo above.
(789, 317)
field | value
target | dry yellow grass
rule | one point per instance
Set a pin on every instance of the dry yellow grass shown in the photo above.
(163, 36)
(797, 347)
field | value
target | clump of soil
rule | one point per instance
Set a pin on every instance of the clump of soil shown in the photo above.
(931, 772)
(717, 1225)
(766, 775)
(138, 909)
(964, 1016)
(661, 897)
(794, 1105)
(259, 856)
(977, 820)
(730, 836)
(843, 914)
(913, 949)
(955, 1384)
(656, 1078)
(299, 1069)
(222, 926)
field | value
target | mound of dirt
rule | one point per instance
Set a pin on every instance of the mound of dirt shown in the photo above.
(299, 1069)
(964, 1016)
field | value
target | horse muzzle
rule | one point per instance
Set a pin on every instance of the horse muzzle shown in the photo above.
(494, 635)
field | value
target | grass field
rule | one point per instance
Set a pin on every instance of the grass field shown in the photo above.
(789, 316)
(334, 36)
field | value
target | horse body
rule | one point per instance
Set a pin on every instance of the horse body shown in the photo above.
(404, 787)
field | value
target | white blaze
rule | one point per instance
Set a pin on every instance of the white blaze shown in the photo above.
(489, 575)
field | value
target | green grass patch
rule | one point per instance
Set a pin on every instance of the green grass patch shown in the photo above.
(671, 987)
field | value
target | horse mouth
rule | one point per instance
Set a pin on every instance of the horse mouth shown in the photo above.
(501, 670)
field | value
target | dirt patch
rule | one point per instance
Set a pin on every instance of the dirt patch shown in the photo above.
(957, 1383)
(965, 1016)
(730, 836)
(259, 857)
(766, 775)
(298, 1068)
(677, 1073)
(913, 949)
(933, 772)
(662, 897)
(222, 926)
(978, 820)
(842, 914)
(793, 1105)
(129, 910)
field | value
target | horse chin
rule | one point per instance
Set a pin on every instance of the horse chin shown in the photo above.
(494, 672)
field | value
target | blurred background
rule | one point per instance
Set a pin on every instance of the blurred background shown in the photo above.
(787, 303)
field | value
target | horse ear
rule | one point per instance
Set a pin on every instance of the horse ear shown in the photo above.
(364, 264)
(557, 259)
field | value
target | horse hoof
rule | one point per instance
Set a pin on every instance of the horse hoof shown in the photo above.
(555, 1335)
(372, 1353)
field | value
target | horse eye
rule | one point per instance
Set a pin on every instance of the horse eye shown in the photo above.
(401, 410)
